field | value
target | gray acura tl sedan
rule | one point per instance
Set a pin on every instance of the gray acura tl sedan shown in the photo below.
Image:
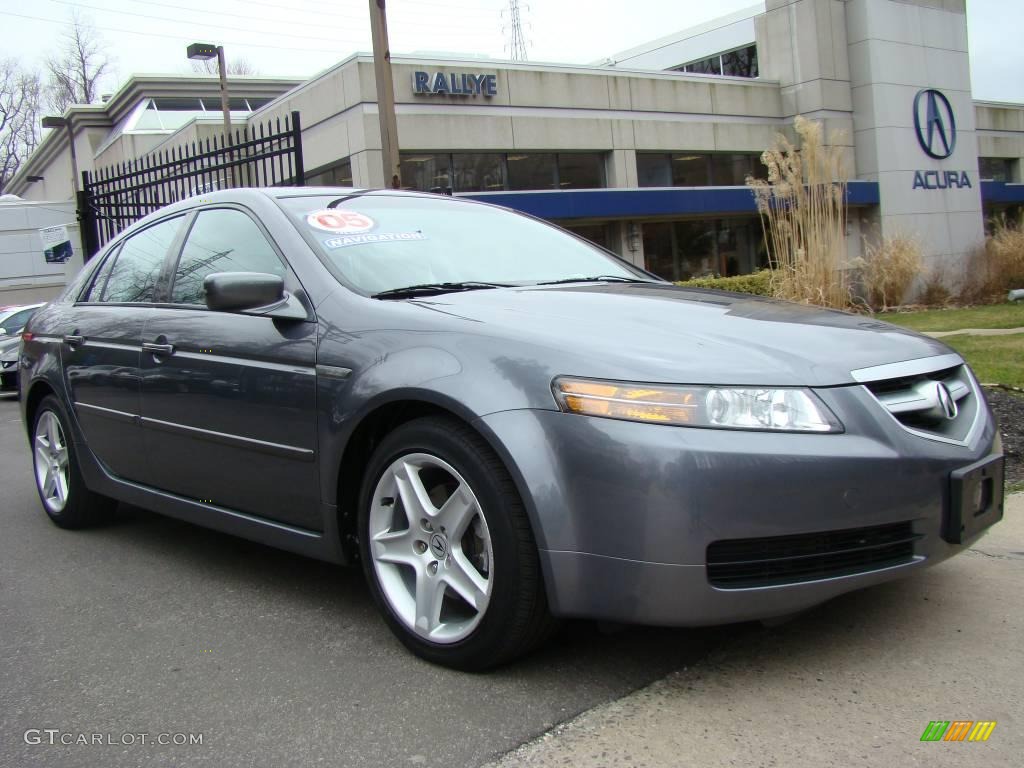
(504, 424)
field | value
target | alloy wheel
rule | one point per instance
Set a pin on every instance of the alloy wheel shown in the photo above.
(431, 548)
(51, 462)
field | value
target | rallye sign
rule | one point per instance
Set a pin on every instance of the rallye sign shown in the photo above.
(454, 84)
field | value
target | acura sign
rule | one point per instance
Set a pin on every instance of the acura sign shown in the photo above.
(935, 126)
(934, 123)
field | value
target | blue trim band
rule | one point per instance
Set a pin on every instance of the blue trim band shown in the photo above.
(1001, 192)
(655, 201)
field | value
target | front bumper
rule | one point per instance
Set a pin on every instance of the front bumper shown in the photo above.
(624, 512)
(9, 379)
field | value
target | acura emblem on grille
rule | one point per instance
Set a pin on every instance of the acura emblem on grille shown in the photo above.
(946, 401)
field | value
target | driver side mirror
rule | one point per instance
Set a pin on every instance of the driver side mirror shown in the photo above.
(226, 291)
(257, 293)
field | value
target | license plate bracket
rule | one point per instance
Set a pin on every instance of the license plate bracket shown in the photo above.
(975, 499)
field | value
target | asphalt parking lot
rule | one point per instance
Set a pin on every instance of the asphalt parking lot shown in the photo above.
(151, 626)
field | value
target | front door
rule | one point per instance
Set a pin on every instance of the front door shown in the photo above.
(228, 399)
(101, 343)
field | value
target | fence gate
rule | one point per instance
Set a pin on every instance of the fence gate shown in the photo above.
(264, 155)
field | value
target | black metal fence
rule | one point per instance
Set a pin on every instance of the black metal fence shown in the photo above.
(112, 198)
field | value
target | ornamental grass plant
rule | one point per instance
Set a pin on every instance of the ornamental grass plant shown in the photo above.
(802, 205)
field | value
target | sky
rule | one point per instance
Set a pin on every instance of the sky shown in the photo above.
(302, 37)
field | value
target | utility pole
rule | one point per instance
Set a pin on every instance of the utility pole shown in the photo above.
(385, 95)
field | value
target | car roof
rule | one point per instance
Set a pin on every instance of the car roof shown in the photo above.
(11, 308)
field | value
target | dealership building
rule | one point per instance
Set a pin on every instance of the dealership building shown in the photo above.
(646, 152)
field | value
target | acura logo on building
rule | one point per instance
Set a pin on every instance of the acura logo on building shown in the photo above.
(934, 123)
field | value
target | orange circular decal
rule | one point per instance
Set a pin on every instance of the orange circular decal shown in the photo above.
(340, 222)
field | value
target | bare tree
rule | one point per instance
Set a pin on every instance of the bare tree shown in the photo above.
(20, 93)
(239, 66)
(75, 71)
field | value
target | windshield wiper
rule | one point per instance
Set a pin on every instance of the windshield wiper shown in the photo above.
(595, 279)
(434, 288)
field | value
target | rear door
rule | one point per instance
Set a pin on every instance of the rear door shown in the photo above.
(101, 343)
(228, 398)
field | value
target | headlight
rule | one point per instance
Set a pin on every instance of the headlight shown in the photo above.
(782, 409)
(10, 357)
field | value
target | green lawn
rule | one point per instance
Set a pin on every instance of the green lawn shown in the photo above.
(990, 316)
(994, 359)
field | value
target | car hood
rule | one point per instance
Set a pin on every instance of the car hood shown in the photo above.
(663, 333)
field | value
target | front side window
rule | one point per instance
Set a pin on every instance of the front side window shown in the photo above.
(136, 268)
(378, 242)
(221, 240)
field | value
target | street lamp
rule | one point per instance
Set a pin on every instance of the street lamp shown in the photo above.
(205, 52)
(60, 122)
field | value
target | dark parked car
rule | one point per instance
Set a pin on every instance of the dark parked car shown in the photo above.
(502, 422)
(9, 364)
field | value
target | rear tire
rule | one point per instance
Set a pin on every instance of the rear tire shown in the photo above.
(62, 491)
(447, 548)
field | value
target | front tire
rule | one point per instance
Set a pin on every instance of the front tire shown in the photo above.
(447, 548)
(66, 499)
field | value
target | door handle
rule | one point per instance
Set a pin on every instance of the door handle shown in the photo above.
(73, 340)
(159, 349)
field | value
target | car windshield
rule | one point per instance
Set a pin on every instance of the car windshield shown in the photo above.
(379, 242)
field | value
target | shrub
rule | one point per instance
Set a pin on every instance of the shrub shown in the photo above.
(934, 292)
(758, 283)
(887, 271)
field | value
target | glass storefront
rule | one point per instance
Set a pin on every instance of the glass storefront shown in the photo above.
(595, 233)
(478, 172)
(690, 169)
(426, 172)
(498, 171)
(533, 171)
(681, 250)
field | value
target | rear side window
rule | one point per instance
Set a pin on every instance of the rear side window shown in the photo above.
(221, 240)
(136, 269)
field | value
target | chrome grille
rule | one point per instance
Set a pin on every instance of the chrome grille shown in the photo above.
(942, 404)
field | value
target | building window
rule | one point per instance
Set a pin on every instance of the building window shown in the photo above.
(498, 171)
(996, 168)
(686, 169)
(581, 170)
(475, 172)
(595, 233)
(740, 62)
(168, 113)
(336, 175)
(681, 250)
(426, 172)
(533, 171)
